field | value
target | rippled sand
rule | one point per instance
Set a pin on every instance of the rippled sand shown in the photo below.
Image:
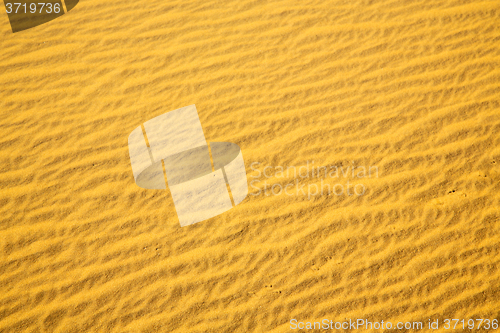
(411, 87)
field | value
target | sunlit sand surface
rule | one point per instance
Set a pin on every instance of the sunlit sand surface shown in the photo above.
(410, 87)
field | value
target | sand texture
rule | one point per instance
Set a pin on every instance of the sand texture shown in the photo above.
(411, 87)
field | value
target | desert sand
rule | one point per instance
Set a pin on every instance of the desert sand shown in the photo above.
(409, 87)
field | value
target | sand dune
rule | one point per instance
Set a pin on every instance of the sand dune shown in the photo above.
(410, 87)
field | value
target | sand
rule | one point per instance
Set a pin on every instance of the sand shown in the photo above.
(409, 87)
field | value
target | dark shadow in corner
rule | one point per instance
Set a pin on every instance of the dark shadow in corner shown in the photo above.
(30, 14)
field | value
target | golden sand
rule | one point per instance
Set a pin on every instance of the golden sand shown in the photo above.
(411, 87)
